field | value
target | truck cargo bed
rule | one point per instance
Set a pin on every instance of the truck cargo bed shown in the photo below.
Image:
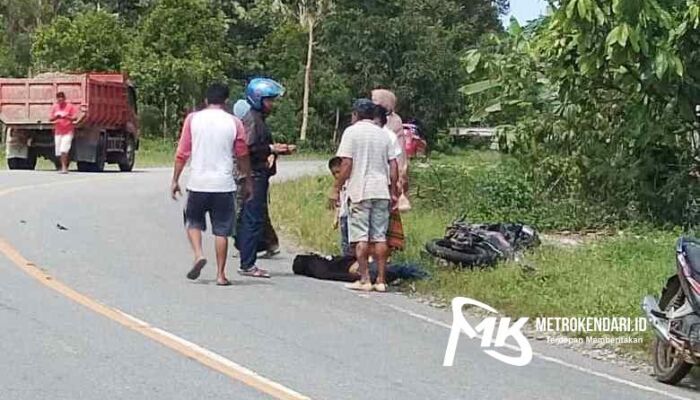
(101, 99)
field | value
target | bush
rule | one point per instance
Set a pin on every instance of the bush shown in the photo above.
(150, 120)
(474, 186)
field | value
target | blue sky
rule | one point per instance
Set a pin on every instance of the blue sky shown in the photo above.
(525, 10)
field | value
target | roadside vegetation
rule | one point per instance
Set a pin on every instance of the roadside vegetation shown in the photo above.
(172, 49)
(594, 103)
(598, 275)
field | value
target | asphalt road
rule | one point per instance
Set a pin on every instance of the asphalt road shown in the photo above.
(123, 246)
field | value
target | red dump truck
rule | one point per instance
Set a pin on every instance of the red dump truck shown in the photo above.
(106, 130)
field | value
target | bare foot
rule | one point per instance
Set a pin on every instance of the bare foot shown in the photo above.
(223, 282)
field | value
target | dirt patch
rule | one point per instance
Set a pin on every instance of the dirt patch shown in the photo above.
(574, 239)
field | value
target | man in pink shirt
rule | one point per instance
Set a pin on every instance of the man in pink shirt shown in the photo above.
(63, 116)
(210, 140)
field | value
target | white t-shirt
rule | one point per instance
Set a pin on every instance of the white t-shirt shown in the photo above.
(210, 138)
(370, 149)
(394, 142)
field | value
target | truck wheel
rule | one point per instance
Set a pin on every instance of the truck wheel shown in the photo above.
(84, 166)
(28, 163)
(31, 160)
(100, 159)
(126, 163)
(16, 163)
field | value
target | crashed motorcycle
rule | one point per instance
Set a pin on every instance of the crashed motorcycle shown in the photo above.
(675, 318)
(467, 244)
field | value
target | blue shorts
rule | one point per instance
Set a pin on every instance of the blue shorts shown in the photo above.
(220, 206)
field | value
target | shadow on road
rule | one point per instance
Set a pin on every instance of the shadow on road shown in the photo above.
(250, 282)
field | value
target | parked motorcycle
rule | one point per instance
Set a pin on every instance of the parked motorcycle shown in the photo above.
(676, 317)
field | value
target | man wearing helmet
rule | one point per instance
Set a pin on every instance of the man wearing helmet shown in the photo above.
(269, 245)
(260, 95)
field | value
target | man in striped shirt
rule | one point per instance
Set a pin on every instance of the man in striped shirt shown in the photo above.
(370, 169)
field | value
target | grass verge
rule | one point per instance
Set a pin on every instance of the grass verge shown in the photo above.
(158, 152)
(604, 278)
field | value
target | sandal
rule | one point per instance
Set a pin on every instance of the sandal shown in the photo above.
(380, 287)
(269, 253)
(225, 283)
(360, 286)
(197, 269)
(254, 272)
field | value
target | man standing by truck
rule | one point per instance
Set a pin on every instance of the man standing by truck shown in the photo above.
(210, 140)
(63, 116)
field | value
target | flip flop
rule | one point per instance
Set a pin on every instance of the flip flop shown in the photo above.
(197, 269)
(254, 272)
(360, 286)
(269, 254)
(227, 283)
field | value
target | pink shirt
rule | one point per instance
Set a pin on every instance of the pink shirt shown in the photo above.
(64, 124)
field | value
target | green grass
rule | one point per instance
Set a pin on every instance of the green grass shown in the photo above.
(152, 153)
(157, 152)
(607, 277)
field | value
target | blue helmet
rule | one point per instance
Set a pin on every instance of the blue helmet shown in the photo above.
(241, 108)
(261, 88)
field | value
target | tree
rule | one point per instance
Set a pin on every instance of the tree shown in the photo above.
(599, 100)
(180, 48)
(91, 41)
(411, 46)
(20, 19)
(310, 13)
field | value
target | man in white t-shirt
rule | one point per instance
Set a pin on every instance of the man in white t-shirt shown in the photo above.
(210, 140)
(370, 169)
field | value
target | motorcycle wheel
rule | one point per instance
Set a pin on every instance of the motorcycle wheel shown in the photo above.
(478, 257)
(669, 366)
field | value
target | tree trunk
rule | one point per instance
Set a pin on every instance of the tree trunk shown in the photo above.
(165, 117)
(307, 80)
(337, 123)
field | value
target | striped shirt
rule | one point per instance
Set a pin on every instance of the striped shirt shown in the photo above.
(371, 150)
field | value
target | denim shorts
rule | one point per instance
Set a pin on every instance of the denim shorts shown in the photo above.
(220, 206)
(368, 221)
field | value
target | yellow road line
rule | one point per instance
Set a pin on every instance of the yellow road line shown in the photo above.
(191, 350)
